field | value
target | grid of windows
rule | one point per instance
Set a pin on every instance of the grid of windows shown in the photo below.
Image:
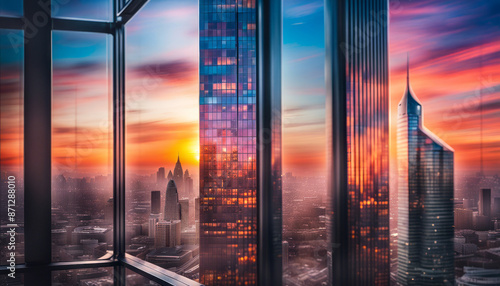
(228, 196)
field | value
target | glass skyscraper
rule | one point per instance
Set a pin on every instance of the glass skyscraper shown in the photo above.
(358, 133)
(228, 144)
(425, 194)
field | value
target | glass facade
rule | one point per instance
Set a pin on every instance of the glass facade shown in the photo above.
(425, 193)
(228, 139)
(358, 126)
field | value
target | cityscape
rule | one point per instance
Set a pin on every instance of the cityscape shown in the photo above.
(383, 185)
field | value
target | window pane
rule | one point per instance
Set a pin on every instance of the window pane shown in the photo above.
(11, 8)
(100, 10)
(304, 145)
(162, 135)
(11, 145)
(82, 153)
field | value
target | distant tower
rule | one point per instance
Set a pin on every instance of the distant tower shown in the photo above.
(425, 198)
(485, 202)
(170, 175)
(108, 215)
(155, 202)
(160, 176)
(172, 206)
(188, 184)
(184, 212)
(168, 233)
(178, 175)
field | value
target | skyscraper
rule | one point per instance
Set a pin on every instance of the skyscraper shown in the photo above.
(160, 176)
(155, 202)
(184, 203)
(484, 205)
(231, 215)
(425, 192)
(168, 233)
(178, 175)
(172, 206)
(357, 120)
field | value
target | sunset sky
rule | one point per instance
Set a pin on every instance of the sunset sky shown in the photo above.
(454, 48)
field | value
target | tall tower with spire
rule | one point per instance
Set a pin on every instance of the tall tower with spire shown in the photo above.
(425, 198)
(178, 175)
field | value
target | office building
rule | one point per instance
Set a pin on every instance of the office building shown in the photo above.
(357, 111)
(172, 206)
(168, 233)
(484, 204)
(463, 219)
(155, 202)
(160, 176)
(231, 100)
(425, 197)
(496, 208)
(184, 203)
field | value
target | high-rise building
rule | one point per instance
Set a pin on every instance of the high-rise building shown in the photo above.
(170, 176)
(155, 202)
(109, 211)
(168, 233)
(484, 204)
(240, 235)
(188, 184)
(153, 220)
(463, 219)
(172, 206)
(425, 195)
(357, 116)
(496, 207)
(160, 176)
(184, 213)
(179, 175)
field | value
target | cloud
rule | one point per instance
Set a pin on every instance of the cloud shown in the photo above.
(302, 10)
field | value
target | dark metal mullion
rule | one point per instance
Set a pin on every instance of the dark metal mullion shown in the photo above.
(37, 142)
(11, 23)
(130, 9)
(119, 140)
(82, 26)
(336, 114)
(37, 136)
(269, 38)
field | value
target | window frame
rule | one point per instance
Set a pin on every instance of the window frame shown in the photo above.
(38, 24)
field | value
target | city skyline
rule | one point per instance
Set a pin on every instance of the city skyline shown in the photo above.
(461, 56)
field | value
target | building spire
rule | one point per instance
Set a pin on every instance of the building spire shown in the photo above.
(408, 69)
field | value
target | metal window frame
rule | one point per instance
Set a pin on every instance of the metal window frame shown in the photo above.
(37, 160)
(38, 24)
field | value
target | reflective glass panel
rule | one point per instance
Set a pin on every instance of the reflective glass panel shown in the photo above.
(11, 145)
(162, 135)
(11, 8)
(82, 151)
(304, 144)
(100, 10)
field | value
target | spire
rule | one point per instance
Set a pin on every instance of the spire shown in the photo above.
(408, 69)
(178, 157)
